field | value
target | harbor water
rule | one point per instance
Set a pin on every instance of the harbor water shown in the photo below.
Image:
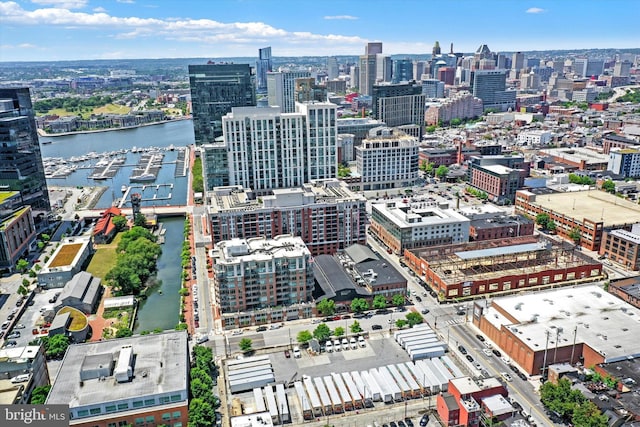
(174, 135)
(162, 306)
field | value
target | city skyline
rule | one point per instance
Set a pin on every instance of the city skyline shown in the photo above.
(48, 30)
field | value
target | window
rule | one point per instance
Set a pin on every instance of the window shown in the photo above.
(110, 408)
(177, 415)
(95, 411)
(83, 412)
(164, 399)
(150, 419)
(138, 403)
(139, 421)
(176, 398)
(123, 423)
(148, 402)
(111, 425)
(166, 416)
(122, 406)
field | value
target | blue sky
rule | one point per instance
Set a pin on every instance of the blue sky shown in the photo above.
(33, 30)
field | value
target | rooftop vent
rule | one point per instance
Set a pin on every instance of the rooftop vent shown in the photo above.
(123, 371)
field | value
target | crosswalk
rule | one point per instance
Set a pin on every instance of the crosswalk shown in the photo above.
(455, 321)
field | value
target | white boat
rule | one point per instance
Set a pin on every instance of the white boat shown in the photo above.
(145, 177)
(123, 188)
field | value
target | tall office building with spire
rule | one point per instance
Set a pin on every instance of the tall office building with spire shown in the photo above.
(20, 159)
(215, 89)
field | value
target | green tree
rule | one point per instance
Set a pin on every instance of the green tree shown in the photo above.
(401, 323)
(358, 305)
(197, 177)
(322, 332)
(56, 346)
(339, 331)
(575, 235)
(119, 222)
(45, 237)
(414, 318)
(140, 220)
(201, 414)
(304, 337)
(431, 129)
(379, 302)
(245, 345)
(542, 219)
(609, 186)
(326, 307)
(22, 265)
(442, 171)
(199, 388)
(123, 332)
(397, 299)
(39, 394)
(551, 226)
(355, 327)
(587, 414)
(456, 122)
(22, 290)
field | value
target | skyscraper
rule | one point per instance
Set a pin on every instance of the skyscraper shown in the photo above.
(517, 61)
(490, 85)
(281, 89)
(268, 150)
(436, 49)
(332, 68)
(402, 70)
(368, 67)
(215, 89)
(20, 159)
(263, 66)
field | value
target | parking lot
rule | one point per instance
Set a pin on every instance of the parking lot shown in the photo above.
(379, 350)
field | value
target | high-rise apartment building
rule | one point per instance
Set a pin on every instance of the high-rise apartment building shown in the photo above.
(622, 69)
(324, 213)
(20, 159)
(263, 66)
(384, 68)
(433, 88)
(332, 68)
(215, 89)
(387, 159)
(215, 165)
(490, 85)
(420, 68)
(307, 90)
(281, 89)
(269, 149)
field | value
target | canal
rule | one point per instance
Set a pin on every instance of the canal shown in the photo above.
(161, 309)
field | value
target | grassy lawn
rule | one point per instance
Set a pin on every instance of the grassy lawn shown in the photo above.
(107, 109)
(104, 259)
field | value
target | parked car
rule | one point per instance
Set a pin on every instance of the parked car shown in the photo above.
(328, 347)
(345, 344)
(408, 422)
(376, 327)
(287, 354)
(462, 349)
(424, 420)
(336, 345)
(296, 352)
(361, 342)
(480, 337)
(469, 358)
(425, 311)
(497, 353)
(14, 334)
(506, 376)
(353, 343)
(237, 332)
(486, 352)
(418, 298)
(261, 328)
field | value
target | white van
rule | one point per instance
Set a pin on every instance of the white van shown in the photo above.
(328, 347)
(20, 378)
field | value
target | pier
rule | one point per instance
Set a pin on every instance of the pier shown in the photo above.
(140, 189)
(148, 167)
(102, 171)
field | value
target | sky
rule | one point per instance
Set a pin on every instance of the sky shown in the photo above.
(41, 30)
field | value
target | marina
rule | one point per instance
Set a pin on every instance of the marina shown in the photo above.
(107, 168)
(148, 167)
(148, 193)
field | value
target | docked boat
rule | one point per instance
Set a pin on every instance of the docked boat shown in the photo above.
(123, 188)
(145, 177)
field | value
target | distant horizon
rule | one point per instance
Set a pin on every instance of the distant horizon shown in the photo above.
(76, 30)
(632, 50)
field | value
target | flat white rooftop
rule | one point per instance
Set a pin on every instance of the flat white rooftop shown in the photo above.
(598, 319)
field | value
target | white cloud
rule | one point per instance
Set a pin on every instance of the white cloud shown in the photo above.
(126, 1)
(347, 17)
(203, 31)
(99, 9)
(535, 10)
(63, 4)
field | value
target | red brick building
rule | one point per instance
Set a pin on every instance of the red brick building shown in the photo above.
(623, 247)
(499, 266)
(105, 229)
(466, 401)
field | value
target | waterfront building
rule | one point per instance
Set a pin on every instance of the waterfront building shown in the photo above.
(20, 158)
(125, 381)
(17, 229)
(268, 149)
(281, 89)
(400, 225)
(264, 65)
(261, 272)
(387, 159)
(215, 89)
(325, 214)
(215, 165)
(68, 259)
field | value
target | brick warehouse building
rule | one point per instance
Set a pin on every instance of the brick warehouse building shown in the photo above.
(592, 212)
(579, 324)
(499, 266)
